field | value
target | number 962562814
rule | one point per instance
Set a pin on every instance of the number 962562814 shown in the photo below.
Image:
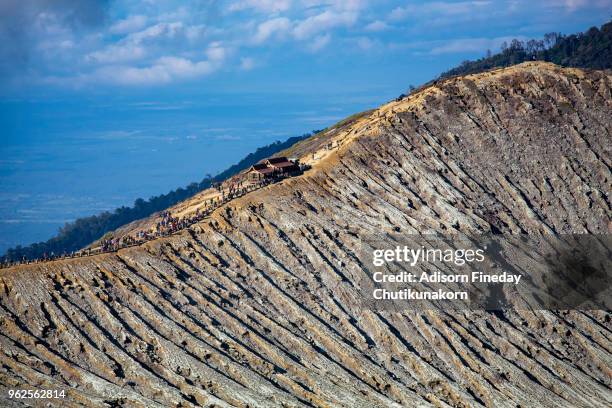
(36, 394)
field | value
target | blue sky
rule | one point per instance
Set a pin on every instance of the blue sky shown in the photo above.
(102, 102)
(129, 46)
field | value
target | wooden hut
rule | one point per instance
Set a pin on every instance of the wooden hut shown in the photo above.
(282, 165)
(260, 171)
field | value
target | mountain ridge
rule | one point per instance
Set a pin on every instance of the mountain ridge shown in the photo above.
(259, 304)
(591, 49)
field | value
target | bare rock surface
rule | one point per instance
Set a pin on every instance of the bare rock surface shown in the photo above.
(259, 305)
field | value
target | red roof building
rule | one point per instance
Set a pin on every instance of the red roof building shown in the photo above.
(276, 166)
(260, 171)
(282, 164)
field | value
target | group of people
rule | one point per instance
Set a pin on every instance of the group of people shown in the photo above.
(169, 224)
(166, 226)
(113, 244)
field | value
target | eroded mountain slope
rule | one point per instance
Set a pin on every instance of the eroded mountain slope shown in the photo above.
(259, 305)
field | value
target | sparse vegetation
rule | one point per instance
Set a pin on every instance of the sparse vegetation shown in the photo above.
(591, 49)
(76, 235)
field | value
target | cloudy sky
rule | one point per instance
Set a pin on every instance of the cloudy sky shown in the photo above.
(121, 45)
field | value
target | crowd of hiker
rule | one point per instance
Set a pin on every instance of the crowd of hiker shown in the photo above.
(167, 225)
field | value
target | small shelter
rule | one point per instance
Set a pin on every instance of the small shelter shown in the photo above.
(272, 168)
(282, 165)
(260, 171)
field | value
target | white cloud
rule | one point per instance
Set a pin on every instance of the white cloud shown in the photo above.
(139, 46)
(247, 64)
(377, 25)
(345, 5)
(164, 70)
(151, 40)
(271, 27)
(323, 22)
(182, 67)
(116, 54)
(216, 52)
(266, 6)
(156, 42)
(366, 43)
(438, 9)
(319, 42)
(195, 31)
(128, 25)
(154, 32)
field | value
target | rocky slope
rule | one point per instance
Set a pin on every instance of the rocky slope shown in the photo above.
(260, 304)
